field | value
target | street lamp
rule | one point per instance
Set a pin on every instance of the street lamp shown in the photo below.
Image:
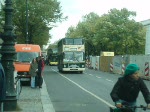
(8, 56)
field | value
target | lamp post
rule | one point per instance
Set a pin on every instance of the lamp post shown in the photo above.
(8, 56)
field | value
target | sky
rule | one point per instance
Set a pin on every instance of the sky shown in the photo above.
(75, 9)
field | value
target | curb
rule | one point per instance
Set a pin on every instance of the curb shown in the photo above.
(46, 102)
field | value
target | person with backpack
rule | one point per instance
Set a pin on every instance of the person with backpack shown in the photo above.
(127, 88)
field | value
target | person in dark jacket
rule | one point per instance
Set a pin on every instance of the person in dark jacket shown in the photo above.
(127, 88)
(39, 72)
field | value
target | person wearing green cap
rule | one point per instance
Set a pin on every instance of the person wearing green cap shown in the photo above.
(127, 88)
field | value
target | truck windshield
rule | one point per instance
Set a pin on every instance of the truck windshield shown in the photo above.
(26, 56)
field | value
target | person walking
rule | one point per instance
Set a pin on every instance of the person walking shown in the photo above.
(33, 72)
(127, 88)
(39, 72)
(43, 64)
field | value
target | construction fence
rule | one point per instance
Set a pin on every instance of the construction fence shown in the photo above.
(117, 64)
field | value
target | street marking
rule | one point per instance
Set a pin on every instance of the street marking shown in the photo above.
(109, 80)
(102, 100)
(90, 74)
(98, 77)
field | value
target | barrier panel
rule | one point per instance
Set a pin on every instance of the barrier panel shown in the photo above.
(105, 63)
(117, 64)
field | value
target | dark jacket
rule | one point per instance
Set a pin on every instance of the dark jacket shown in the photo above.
(40, 66)
(39, 62)
(2, 83)
(128, 89)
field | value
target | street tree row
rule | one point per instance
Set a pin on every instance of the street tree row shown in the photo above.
(33, 20)
(116, 31)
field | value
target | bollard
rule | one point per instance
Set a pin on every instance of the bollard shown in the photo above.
(111, 67)
(96, 66)
(146, 69)
(123, 69)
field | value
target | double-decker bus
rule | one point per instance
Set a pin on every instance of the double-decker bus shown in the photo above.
(52, 56)
(71, 54)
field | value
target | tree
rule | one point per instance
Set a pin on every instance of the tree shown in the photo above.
(42, 15)
(120, 29)
(116, 31)
(85, 29)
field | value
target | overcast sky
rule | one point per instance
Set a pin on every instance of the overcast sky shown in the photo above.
(75, 9)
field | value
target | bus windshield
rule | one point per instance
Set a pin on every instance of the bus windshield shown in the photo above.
(73, 56)
(26, 56)
(54, 58)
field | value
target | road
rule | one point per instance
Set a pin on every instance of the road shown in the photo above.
(87, 92)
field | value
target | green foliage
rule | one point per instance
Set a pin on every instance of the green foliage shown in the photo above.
(116, 31)
(42, 15)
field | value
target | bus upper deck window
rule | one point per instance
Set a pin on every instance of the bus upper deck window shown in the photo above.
(78, 42)
(69, 42)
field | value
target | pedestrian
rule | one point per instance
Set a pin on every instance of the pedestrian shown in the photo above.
(33, 72)
(127, 88)
(39, 73)
(43, 64)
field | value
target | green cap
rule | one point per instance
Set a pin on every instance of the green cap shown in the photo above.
(131, 69)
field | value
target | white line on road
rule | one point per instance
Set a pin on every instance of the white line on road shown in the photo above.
(98, 77)
(102, 100)
(109, 80)
(90, 74)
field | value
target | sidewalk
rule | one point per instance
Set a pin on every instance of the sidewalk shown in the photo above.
(34, 100)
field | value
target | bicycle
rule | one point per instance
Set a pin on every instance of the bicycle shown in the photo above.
(128, 108)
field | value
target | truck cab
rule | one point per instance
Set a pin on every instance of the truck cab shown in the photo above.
(24, 56)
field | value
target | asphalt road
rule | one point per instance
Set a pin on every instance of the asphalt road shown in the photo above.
(87, 92)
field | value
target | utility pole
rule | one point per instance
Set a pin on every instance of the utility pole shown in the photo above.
(8, 57)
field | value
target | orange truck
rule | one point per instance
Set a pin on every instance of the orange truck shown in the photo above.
(24, 57)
